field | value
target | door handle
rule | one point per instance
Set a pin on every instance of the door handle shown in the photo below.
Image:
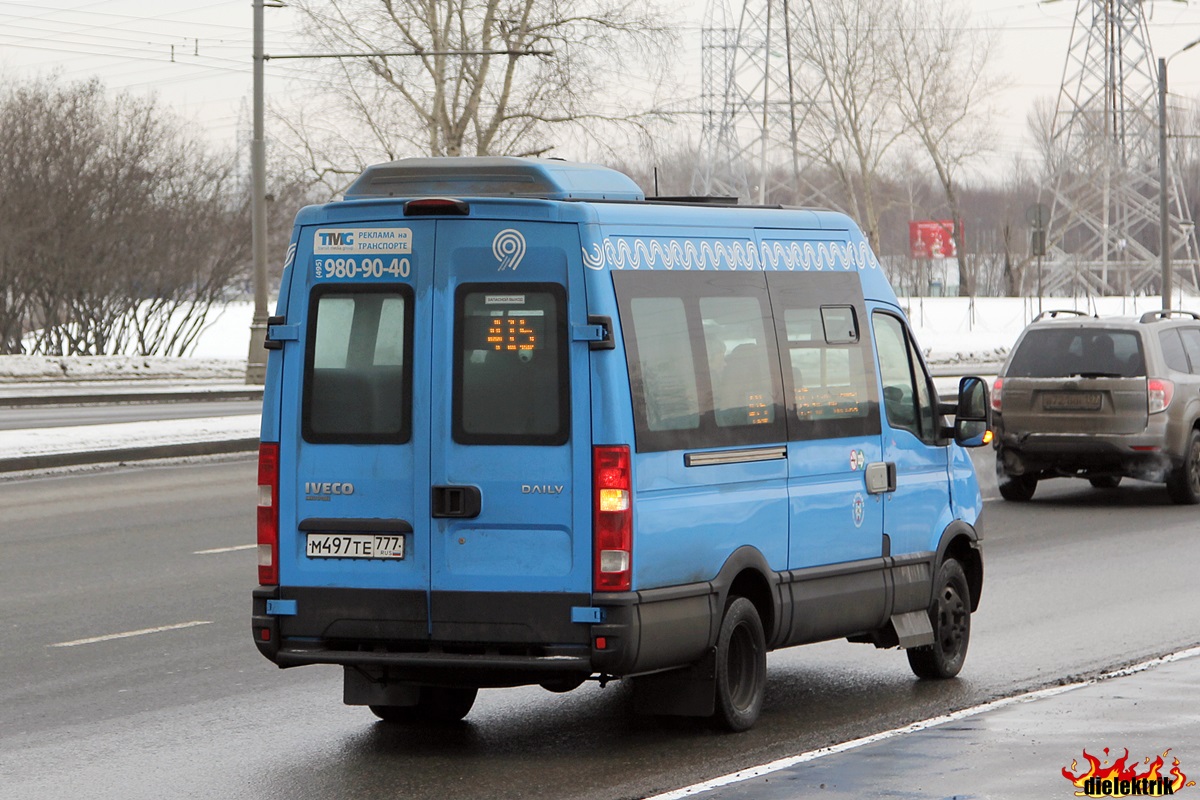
(461, 502)
(881, 477)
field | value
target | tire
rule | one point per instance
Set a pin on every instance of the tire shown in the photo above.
(950, 614)
(1015, 488)
(438, 704)
(1183, 482)
(741, 667)
(1106, 481)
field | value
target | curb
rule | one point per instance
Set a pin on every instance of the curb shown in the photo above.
(145, 453)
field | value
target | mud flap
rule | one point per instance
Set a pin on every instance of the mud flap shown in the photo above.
(913, 628)
(687, 692)
(363, 689)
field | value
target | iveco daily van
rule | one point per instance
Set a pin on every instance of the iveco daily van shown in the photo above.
(522, 425)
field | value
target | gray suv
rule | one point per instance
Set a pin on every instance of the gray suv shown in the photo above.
(1101, 399)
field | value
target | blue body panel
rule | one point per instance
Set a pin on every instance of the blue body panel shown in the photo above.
(790, 510)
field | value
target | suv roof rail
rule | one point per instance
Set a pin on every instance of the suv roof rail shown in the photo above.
(1167, 313)
(1053, 314)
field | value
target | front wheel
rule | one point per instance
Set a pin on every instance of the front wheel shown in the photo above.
(741, 667)
(1183, 482)
(950, 614)
(436, 704)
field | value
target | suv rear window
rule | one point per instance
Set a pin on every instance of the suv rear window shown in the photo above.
(1086, 352)
(359, 366)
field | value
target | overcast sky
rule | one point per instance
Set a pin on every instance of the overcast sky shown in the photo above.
(196, 53)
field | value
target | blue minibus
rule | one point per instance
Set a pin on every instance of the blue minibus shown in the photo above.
(524, 426)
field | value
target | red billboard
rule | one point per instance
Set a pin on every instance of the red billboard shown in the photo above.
(931, 238)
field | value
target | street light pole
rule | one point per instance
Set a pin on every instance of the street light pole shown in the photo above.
(1164, 222)
(256, 360)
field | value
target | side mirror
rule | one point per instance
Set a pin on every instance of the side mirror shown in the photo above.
(973, 413)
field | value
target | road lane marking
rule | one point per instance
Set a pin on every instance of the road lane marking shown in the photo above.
(216, 550)
(129, 634)
(812, 755)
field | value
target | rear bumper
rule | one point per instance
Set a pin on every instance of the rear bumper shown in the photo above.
(485, 638)
(1139, 455)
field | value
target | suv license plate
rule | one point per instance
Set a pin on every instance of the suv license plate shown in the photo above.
(354, 545)
(1072, 401)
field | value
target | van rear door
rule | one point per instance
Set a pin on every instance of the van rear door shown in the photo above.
(509, 547)
(353, 496)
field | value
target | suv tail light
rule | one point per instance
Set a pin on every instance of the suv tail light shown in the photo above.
(612, 519)
(1158, 394)
(996, 387)
(268, 513)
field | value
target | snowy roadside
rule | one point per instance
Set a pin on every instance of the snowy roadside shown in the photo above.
(43, 448)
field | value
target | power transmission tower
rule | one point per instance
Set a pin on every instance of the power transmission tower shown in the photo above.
(1104, 151)
(750, 110)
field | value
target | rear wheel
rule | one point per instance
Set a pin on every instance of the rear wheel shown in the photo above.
(741, 666)
(1105, 481)
(1016, 488)
(950, 614)
(436, 704)
(1183, 482)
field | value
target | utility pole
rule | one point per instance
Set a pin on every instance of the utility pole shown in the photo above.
(256, 359)
(1164, 224)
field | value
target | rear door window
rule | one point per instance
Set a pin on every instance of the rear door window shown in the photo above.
(1172, 350)
(1191, 346)
(359, 365)
(510, 369)
(1086, 352)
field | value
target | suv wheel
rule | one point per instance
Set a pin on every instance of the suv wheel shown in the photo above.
(1017, 488)
(1183, 483)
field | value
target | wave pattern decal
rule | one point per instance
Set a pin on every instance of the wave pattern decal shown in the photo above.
(727, 254)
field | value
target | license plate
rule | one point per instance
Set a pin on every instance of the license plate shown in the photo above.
(1072, 401)
(354, 545)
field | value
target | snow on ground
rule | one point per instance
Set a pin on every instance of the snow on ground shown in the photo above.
(975, 334)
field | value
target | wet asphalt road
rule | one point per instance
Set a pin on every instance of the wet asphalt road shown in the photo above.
(1076, 582)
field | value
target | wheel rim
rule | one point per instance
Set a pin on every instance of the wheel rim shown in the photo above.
(953, 620)
(741, 669)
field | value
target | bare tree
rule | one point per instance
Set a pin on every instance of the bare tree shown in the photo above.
(117, 223)
(465, 77)
(847, 88)
(939, 64)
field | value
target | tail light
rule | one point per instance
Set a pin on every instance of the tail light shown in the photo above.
(1159, 394)
(268, 513)
(612, 518)
(996, 387)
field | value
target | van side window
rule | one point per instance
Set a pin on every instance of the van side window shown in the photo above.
(511, 382)
(359, 366)
(667, 367)
(830, 384)
(703, 362)
(735, 339)
(908, 399)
